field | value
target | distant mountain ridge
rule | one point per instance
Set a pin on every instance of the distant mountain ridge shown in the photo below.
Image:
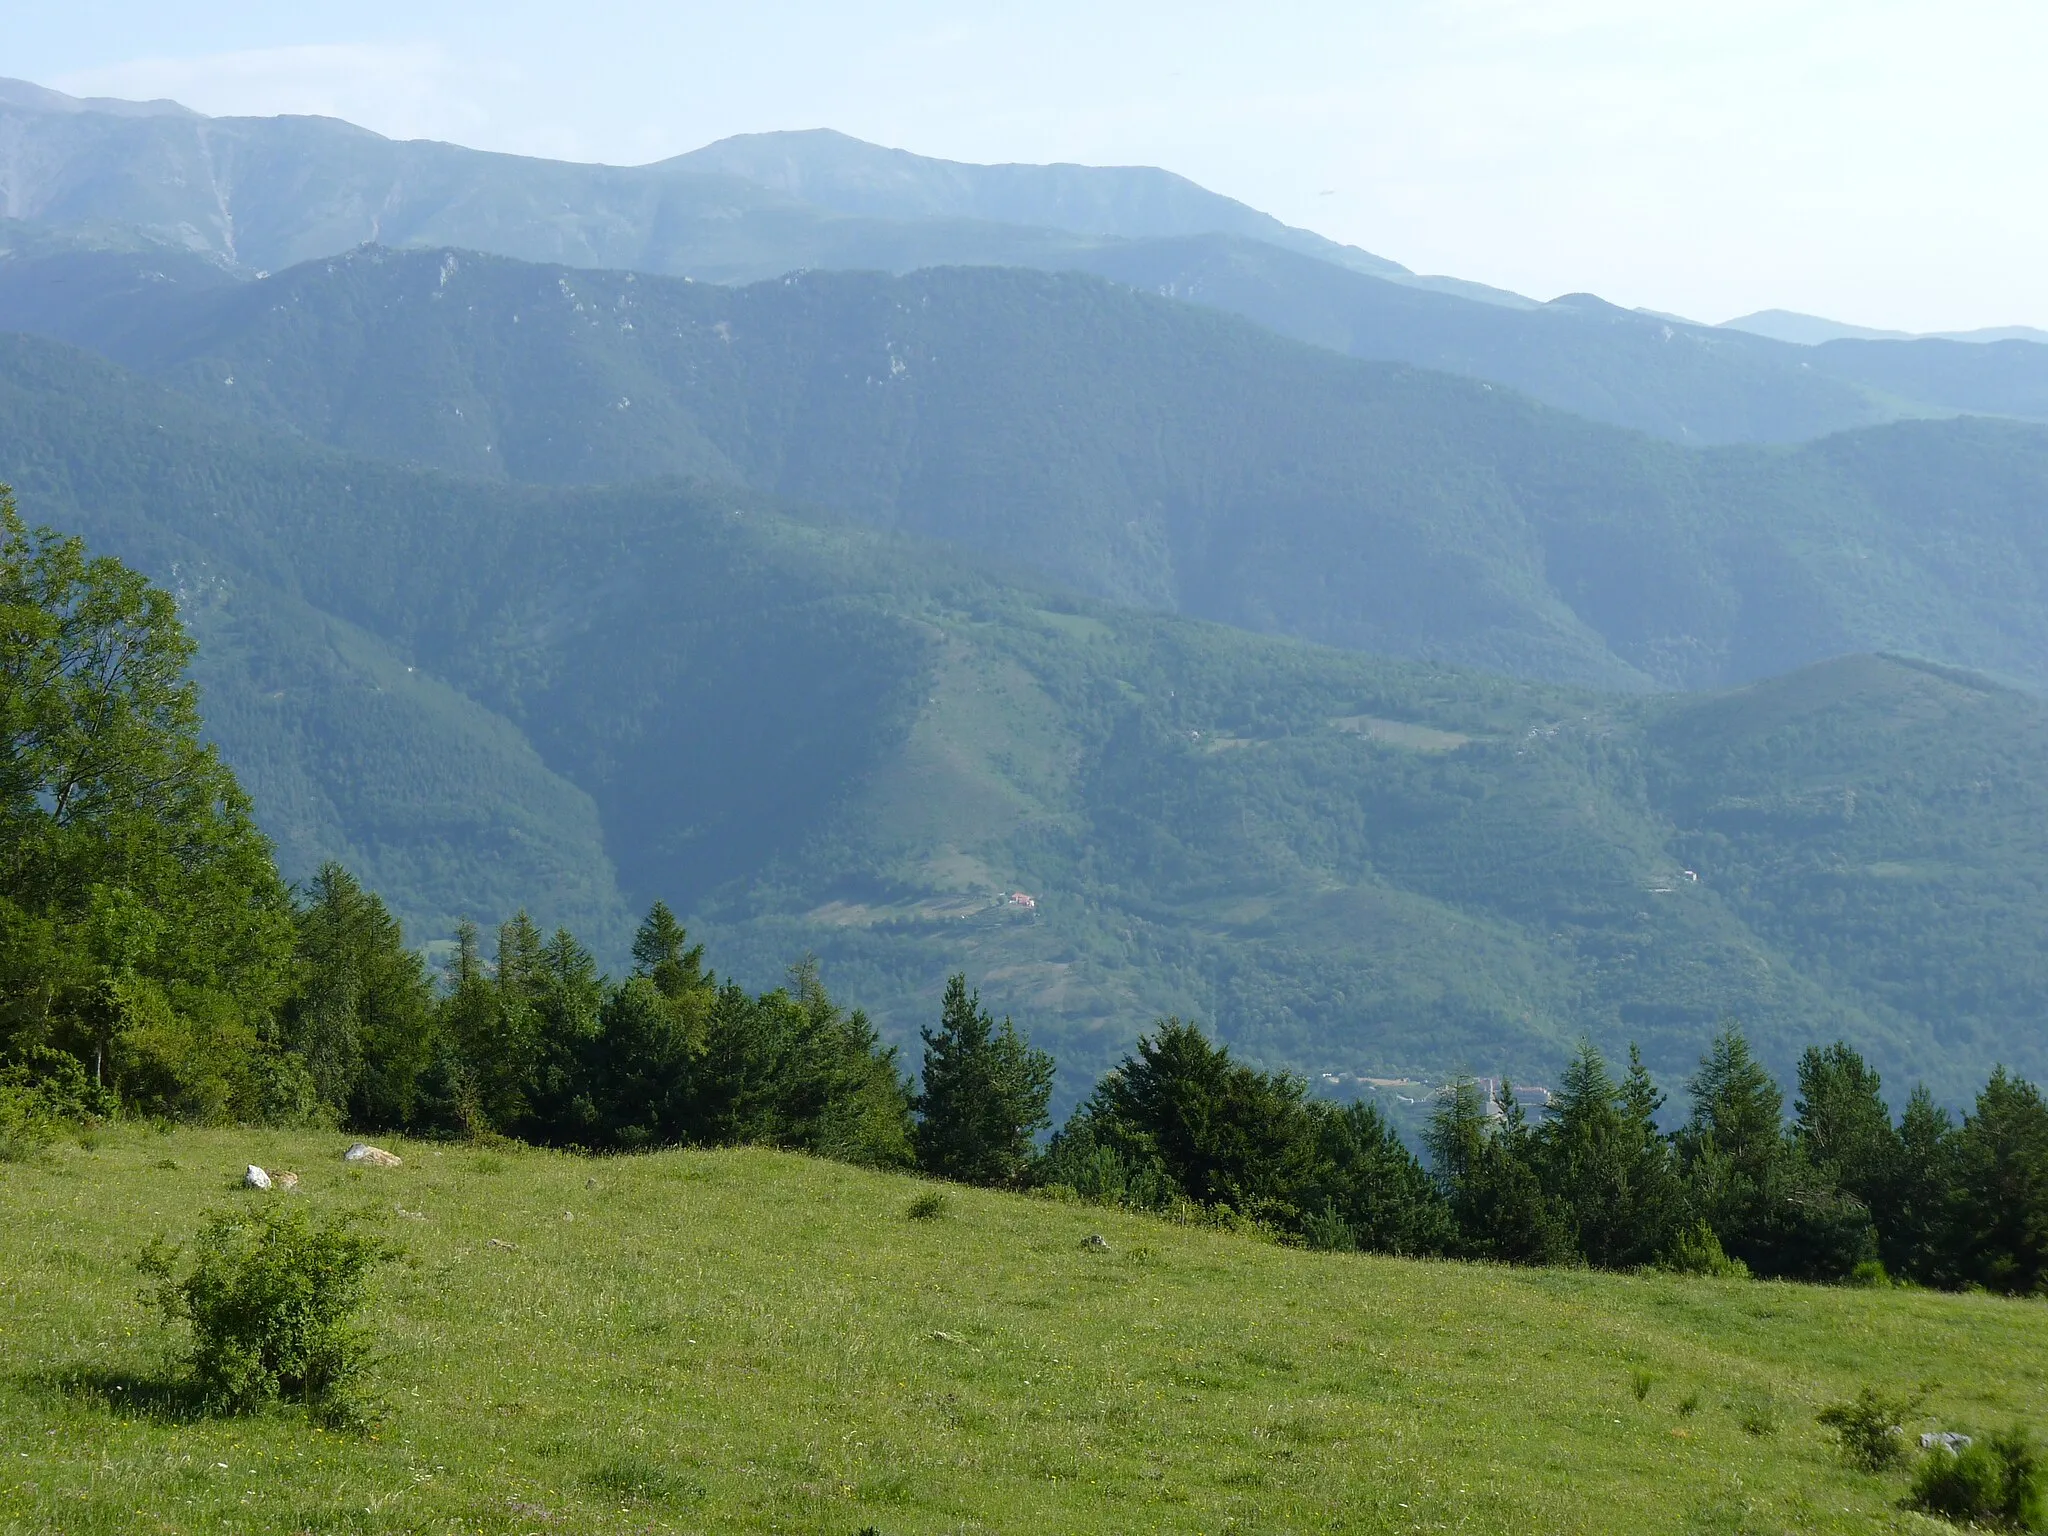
(1812, 330)
(266, 193)
(1125, 203)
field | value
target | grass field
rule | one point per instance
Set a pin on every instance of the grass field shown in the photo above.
(744, 1340)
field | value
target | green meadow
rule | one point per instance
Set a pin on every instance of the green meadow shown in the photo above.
(755, 1341)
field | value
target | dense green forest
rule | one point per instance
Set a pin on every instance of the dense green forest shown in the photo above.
(1153, 453)
(152, 961)
(813, 738)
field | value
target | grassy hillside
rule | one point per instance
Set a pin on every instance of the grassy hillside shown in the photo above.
(719, 1341)
(816, 738)
(1149, 452)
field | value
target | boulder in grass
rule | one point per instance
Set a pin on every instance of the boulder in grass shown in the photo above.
(255, 1178)
(363, 1155)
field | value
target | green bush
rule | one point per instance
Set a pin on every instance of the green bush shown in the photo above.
(26, 1125)
(1329, 1232)
(1871, 1428)
(929, 1206)
(271, 1299)
(1697, 1251)
(1995, 1483)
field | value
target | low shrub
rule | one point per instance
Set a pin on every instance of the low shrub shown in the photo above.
(1995, 1483)
(1697, 1251)
(271, 1299)
(929, 1206)
(1329, 1232)
(1640, 1383)
(26, 1125)
(1871, 1428)
(1756, 1410)
(42, 1094)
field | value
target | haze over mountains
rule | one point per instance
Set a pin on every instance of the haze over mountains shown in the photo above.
(261, 194)
(842, 606)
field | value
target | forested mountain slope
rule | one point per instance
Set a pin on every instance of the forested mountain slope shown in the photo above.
(814, 736)
(256, 194)
(1145, 452)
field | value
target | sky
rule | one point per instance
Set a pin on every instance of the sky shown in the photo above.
(1875, 161)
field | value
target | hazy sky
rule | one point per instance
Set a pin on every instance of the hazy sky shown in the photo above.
(1878, 161)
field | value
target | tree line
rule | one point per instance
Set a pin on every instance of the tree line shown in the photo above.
(1837, 1191)
(153, 962)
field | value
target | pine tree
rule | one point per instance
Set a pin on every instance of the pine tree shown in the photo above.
(567, 1000)
(1917, 1217)
(361, 1008)
(662, 952)
(1755, 1186)
(1486, 1161)
(1737, 1110)
(1842, 1122)
(1605, 1162)
(2002, 1188)
(985, 1094)
(1373, 1184)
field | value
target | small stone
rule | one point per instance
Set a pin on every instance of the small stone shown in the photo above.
(255, 1178)
(568, 1215)
(364, 1154)
(1096, 1241)
(499, 1242)
(1944, 1439)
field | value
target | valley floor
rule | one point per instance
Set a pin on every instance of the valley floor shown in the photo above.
(745, 1340)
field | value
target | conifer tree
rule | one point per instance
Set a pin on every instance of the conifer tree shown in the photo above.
(985, 1094)
(2001, 1160)
(1606, 1163)
(1917, 1221)
(1842, 1122)
(361, 1008)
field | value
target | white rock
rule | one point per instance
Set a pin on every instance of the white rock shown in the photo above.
(1947, 1439)
(370, 1157)
(255, 1178)
(1095, 1240)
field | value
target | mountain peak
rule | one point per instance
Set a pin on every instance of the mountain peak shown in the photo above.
(39, 98)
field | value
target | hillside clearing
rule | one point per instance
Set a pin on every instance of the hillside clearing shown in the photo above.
(747, 1340)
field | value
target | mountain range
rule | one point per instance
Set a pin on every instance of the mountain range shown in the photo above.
(262, 194)
(1147, 609)
(1133, 449)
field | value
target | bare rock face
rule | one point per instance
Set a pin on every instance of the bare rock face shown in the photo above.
(255, 1178)
(363, 1155)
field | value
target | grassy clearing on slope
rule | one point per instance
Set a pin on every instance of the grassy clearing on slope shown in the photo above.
(744, 1340)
